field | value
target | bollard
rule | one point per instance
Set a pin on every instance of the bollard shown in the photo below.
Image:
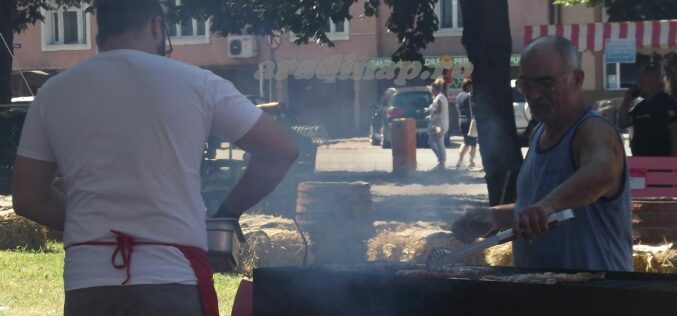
(404, 146)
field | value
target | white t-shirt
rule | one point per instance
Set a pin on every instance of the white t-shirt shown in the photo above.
(127, 131)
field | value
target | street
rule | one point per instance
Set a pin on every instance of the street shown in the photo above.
(428, 196)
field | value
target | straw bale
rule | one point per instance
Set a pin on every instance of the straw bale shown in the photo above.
(271, 241)
(399, 242)
(5, 203)
(655, 259)
(19, 232)
(500, 255)
(256, 222)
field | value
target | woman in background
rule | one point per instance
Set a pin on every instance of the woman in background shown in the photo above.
(465, 115)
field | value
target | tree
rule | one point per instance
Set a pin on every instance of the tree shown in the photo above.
(486, 36)
(16, 16)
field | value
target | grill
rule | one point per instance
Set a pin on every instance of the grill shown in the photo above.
(376, 289)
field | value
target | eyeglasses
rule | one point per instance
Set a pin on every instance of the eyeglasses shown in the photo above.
(543, 84)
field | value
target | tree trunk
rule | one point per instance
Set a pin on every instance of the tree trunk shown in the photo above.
(486, 37)
(7, 31)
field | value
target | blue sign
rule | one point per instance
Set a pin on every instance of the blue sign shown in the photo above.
(16, 45)
(620, 51)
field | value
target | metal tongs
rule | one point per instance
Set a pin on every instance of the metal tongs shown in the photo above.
(439, 257)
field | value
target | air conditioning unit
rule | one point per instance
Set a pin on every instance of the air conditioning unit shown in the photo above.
(242, 46)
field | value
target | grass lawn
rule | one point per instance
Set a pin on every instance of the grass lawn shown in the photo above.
(31, 283)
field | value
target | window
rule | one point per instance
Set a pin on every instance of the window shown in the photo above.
(337, 31)
(450, 17)
(194, 31)
(620, 76)
(66, 29)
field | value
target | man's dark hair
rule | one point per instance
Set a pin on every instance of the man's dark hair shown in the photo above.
(115, 17)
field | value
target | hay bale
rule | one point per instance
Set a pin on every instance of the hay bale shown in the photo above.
(271, 241)
(399, 242)
(19, 232)
(655, 259)
(5, 203)
(500, 255)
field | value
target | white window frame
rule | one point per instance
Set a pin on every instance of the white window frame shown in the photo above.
(192, 39)
(332, 34)
(48, 23)
(339, 36)
(449, 31)
(618, 77)
(619, 73)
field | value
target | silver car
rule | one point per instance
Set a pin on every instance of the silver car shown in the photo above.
(521, 109)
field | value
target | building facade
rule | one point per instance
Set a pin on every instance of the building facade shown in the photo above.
(319, 84)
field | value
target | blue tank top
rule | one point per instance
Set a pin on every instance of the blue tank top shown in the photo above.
(599, 238)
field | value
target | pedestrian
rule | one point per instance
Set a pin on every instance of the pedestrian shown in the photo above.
(654, 119)
(438, 122)
(576, 161)
(464, 106)
(126, 130)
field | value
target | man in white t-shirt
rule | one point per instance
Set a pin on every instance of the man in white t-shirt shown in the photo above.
(126, 130)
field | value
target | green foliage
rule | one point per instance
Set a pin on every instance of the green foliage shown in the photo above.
(11, 123)
(414, 22)
(28, 11)
(631, 10)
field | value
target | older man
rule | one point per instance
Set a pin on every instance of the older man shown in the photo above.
(576, 160)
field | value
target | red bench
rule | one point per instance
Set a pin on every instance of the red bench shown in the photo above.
(653, 185)
(653, 176)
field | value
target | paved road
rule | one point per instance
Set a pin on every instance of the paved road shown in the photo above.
(429, 195)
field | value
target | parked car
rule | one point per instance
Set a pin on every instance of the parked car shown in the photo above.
(523, 120)
(401, 102)
(521, 109)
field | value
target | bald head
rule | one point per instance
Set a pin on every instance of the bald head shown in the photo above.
(551, 80)
(560, 45)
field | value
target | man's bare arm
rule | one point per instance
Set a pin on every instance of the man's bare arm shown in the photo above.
(598, 153)
(272, 154)
(34, 195)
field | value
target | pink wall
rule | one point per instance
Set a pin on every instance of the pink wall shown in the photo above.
(523, 13)
(31, 56)
(580, 14)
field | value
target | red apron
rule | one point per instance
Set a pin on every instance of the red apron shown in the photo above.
(197, 257)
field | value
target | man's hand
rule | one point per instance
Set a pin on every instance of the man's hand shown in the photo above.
(532, 221)
(474, 224)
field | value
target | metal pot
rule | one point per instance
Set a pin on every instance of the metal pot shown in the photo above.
(222, 247)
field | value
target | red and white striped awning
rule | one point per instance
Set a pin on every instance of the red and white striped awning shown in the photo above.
(648, 35)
